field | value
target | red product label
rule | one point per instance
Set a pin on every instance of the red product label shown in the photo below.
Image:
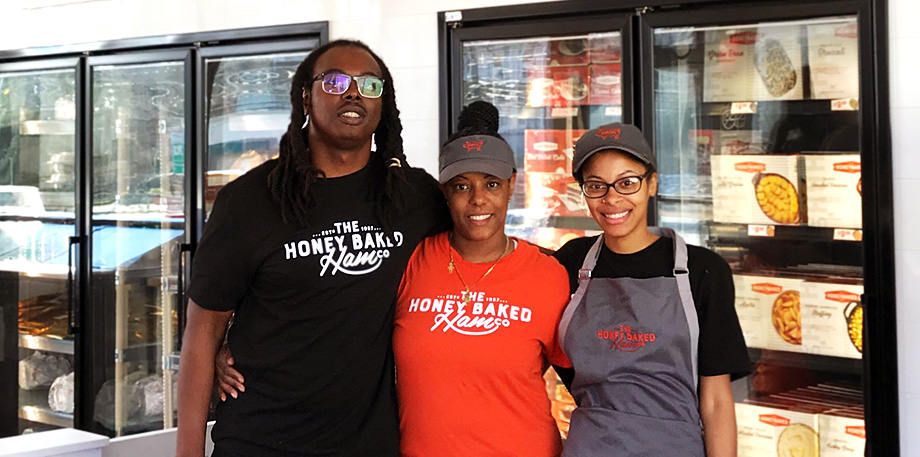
(570, 86)
(842, 296)
(774, 420)
(604, 84)
(766, 288)
(549, 151)
(857, 431)
(847, 31)
(750, 167)
(743, 38)
(848, 167)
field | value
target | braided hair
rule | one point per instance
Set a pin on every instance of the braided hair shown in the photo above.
(294, 174)
(477, 118)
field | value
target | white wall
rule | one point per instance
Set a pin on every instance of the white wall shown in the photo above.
(404, 33)
(904, 36)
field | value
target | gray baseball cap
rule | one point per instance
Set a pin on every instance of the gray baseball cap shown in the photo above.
(476, 153)
(621, 137)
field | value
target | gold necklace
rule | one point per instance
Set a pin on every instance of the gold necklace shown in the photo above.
(452, 267)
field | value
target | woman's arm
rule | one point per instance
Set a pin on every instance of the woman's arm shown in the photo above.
(717, 409)
(203, 336)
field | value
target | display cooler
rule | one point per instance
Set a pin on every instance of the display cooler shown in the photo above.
(110, 156)
(769, 122)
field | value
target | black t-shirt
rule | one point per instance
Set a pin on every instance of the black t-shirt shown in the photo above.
(721, 345)
(314, 312)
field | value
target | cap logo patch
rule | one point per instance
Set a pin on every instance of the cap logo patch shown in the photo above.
(606, 134)
(470, 145)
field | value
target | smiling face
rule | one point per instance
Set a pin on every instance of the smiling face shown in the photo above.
(478, 204)
(346, 121)
(623, 218)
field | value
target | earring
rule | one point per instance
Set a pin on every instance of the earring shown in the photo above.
(306, 121)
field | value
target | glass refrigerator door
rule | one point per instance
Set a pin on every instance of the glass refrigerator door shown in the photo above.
(249, 109)
(548, 91)
(757, 131)
(37, 125)
(138, 223)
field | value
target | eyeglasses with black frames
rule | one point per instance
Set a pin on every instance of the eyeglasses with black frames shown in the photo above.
(627, 185)
(337, 83)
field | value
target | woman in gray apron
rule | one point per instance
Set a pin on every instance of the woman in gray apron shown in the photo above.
(651, 329)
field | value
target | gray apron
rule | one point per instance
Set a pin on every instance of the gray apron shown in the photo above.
(633, 343)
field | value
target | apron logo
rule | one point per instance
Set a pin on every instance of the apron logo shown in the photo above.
(626, 339)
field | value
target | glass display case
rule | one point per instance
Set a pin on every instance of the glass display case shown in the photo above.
(249, 109)
(757, 131)
(37, 144)
(771, 153)
(138, 197)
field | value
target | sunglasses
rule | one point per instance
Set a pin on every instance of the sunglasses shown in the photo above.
(337, 83)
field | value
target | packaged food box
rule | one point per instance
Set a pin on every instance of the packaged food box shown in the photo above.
(549, 151)
(842, 434)
(832, 319)
(754, 64)
(757, 189)
(833, 57)
(554, 194)
(539, 87)
(834, 188)
(769, 309)
(569, 51)
(604, 47)
(738, 142)
(557, 87)
(604, 84)
(769, 431)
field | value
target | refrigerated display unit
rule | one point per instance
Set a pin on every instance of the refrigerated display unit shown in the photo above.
(109, 156)
(769, 125)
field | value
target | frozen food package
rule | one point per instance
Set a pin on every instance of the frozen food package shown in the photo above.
(604, 47)
(833, 59)
(842, 434)
(832, 318)
(768, 431)
(834, 190)
(40, 370)
(569, 51)
(554, 194)
(60, 397)
(549, 151)
(757, 64)
(604, 84)
(757, 189)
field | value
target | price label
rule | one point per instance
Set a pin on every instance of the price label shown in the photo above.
(762, 230)
(848, 235)
(564, 112)
(613, 111)
(845, 104)
(744, 108)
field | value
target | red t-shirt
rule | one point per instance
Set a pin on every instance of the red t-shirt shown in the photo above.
(469, 377)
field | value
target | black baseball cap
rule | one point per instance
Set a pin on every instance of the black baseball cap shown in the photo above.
(621, 137)
(476, 153)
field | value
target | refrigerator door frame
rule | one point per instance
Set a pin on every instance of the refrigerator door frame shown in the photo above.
(199, 165)
(76, 64)
(452, 35)
(880, 360)
(99, 349)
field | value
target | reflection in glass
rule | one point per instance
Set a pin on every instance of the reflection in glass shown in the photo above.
(37, 141)
(138, 201)
(249, 109)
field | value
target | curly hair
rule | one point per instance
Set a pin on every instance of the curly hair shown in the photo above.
(477, 118)
(294, 174)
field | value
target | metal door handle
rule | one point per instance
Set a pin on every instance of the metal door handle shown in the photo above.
(183, 249)
(72, 302)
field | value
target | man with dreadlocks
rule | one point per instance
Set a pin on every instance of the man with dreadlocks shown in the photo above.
(307, 251)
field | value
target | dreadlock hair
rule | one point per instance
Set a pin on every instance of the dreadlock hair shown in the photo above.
(295, 173)
(477, 118)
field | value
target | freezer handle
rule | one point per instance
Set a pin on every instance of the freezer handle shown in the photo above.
(184, 248)
(72, 301)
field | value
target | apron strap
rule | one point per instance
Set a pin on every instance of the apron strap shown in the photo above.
(682, 274)
(584, 277)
